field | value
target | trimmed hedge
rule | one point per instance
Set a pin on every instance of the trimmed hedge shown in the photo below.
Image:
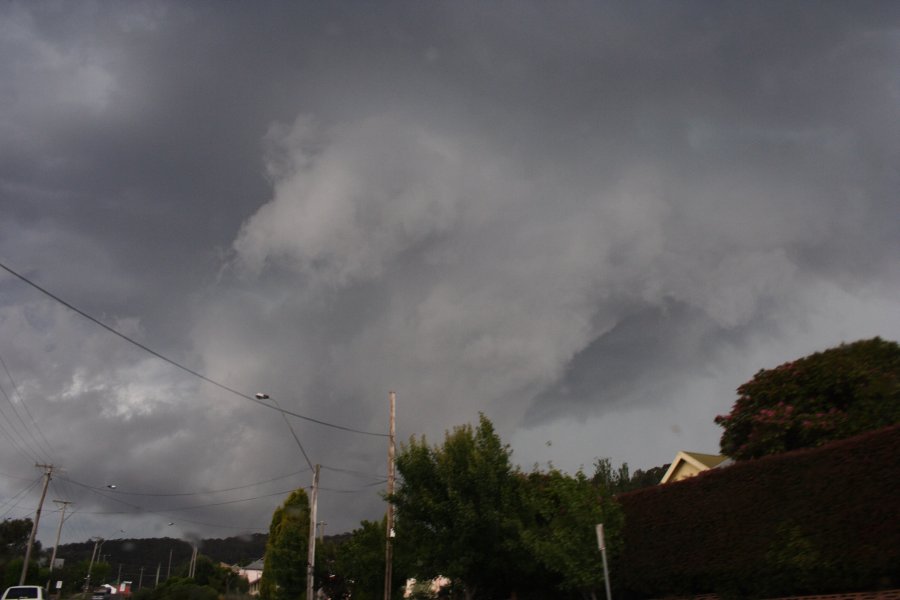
(819, 520)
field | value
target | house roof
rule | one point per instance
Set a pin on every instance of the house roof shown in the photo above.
(256, 565)
(710, 460)
(698, 460)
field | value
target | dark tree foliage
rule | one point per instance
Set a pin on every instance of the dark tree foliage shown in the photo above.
(14, 535)
(618, 481)
(815, 521)
(826, 396)
(178, 588)
(458, 506)
(150, 552)
(237, 550)
(358, 563)
(465, 513)
(284, 571)
(559, 529)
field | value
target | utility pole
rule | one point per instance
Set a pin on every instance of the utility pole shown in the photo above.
(169, 570)
(311, 554)
(98, 544)
(158, 569)
(48, 470)
(601, 544)
(62, 519)
(193, 567)
(141, 578)
(389, 537)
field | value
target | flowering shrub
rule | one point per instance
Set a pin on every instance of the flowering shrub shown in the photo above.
(804, 403)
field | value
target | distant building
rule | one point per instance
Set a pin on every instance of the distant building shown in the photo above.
(252, 573)
(688, 464)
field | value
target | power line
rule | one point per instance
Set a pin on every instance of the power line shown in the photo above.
(35, 446)
(164, 511)
(24, 404)
(226, 502)
(15, 477)
(293, 433)
(178, 365)
(357, 473)
(16, 444)
(18, 497)
(364, 488)
(189, 507)
(174, 494)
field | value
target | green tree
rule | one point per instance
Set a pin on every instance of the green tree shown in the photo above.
(284, 570)
(643, 479)
(561, 530)
(360, 561)
(826, 396)
(14, 534)
(178, 588)
(222, 579)
(458, 505)
(618, 481)
(610, 480)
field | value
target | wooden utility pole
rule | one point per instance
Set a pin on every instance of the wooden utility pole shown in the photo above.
(98, 545)
(192, 569)
(62, 519)
(311, 552)
(48, 470)
(389, 529)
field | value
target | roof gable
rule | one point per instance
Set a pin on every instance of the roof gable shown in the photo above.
(693, 462)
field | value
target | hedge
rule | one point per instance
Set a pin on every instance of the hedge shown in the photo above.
(819, 520)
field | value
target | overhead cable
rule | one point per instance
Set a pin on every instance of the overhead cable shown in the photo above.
(25, 406)
(178, 365)
(174, 494)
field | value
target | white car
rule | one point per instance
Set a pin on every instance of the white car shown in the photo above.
(24, 592)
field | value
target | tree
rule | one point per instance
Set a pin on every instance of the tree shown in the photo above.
(618, 481)
(561, 533)
(284, 570)
(458, 505)
(178, 588)
(359, 562)
(14, 534)
(222, 579)
(826, 396)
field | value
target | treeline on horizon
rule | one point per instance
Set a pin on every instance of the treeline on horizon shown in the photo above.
(151, 553)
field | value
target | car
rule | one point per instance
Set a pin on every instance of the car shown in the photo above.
(101, 593)
(23, 592)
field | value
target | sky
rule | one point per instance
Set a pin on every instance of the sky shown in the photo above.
(589, 221)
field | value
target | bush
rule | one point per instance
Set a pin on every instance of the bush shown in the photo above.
(817, 520)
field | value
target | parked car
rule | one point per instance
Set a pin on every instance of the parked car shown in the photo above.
(23, 592)
(101, 593)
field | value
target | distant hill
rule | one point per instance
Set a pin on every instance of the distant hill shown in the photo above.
(167, 555)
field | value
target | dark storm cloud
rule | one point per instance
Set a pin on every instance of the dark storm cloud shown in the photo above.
(584, 221)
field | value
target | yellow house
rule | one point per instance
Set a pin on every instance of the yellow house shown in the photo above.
(688, 464)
